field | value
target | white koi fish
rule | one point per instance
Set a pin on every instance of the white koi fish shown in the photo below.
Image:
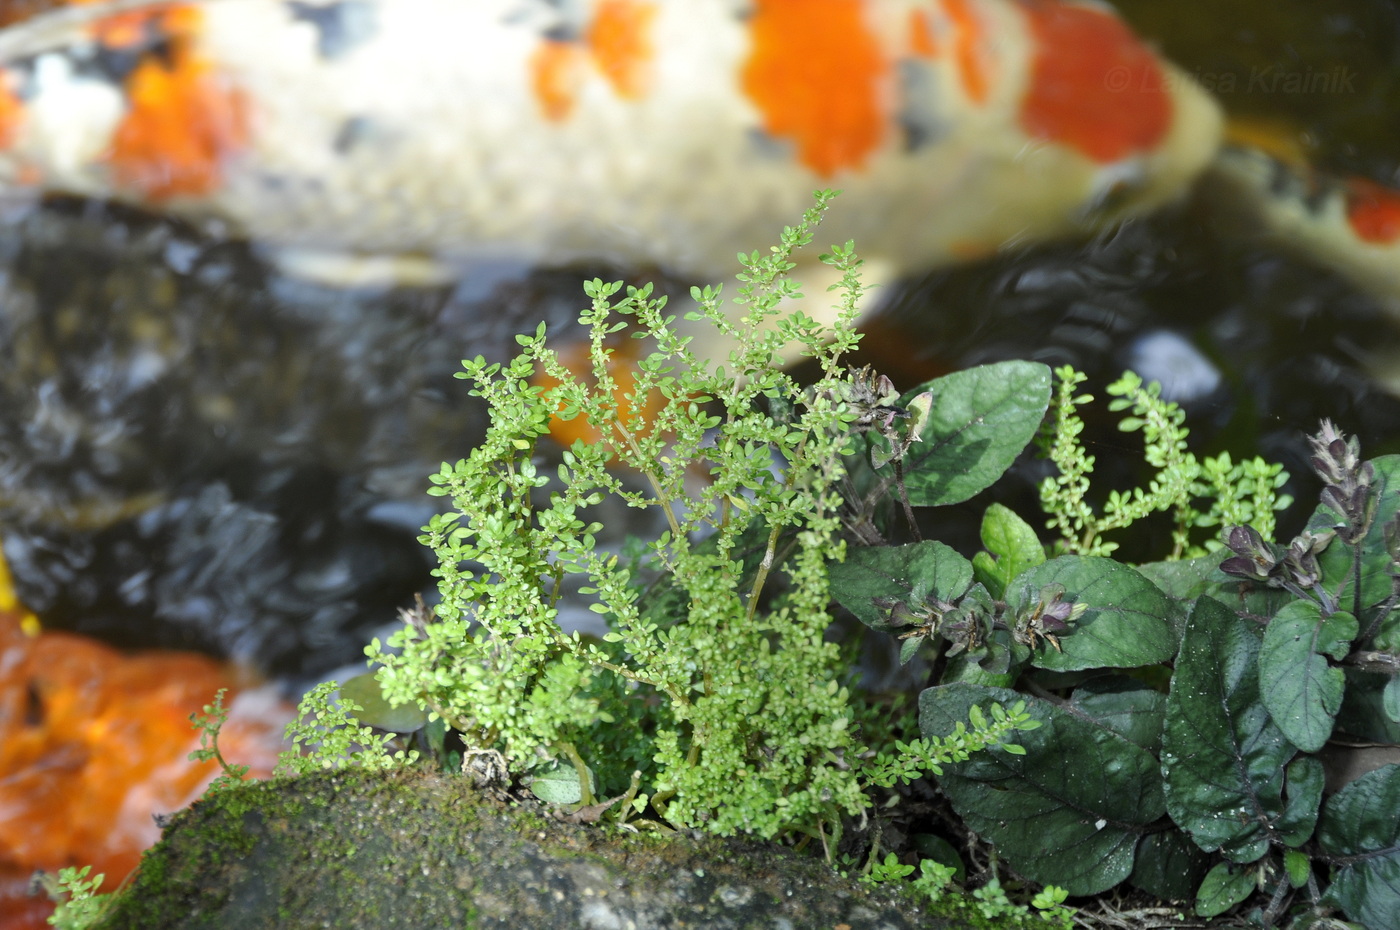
(669, 133)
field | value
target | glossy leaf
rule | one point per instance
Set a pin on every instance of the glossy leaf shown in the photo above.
(1071, 810)
(1360, 828)
(1169, 865)
(980, 421)
(1127, 707)
(909, 574)
(1222, 755)
(1126, 624)
(1302, 691)
(1223, 887)
(1303, 782)
(1011, 547)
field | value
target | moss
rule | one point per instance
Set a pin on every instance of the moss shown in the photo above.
(420, 850)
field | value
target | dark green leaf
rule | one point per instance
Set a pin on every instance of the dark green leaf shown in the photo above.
(1363, 707)
(931, 846)
(1359, 829)
(1304, 780)
(1223, 757)
(1302, 691)
(1169, 866)
(909, 574)
(1223, 887)
(1185, 579)
(1390, 700)
(980, 421)
(1068, 812)
(1012, 547)
(1127, 707)
(1125, 625)
(377, 712)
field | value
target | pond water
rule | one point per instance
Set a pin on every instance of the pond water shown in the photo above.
(198, 452)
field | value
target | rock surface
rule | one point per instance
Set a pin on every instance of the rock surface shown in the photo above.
(351, 849)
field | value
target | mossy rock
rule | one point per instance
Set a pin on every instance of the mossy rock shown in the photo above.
(352, 849)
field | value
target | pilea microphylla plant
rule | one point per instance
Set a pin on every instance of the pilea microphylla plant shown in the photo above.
(713, 698)
(1186, 727)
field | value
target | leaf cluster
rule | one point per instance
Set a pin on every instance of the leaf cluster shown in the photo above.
(712, 698)
(1194, 718)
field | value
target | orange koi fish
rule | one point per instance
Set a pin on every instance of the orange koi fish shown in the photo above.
(94, 743)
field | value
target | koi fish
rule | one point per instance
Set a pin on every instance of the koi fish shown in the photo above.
(93, 743)
(640, 132)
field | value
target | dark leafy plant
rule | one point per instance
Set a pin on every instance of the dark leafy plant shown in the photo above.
(1197, 717)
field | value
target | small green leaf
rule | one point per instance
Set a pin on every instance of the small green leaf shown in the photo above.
(1222, 755)
(909, 648)
(1304, 780)
(1301, 690)
(1390, 699)
(1012, 547)
(1298, 866)
(931, 846)
(377, 712)
(978, 424)
(1223, 887)
(558, 784)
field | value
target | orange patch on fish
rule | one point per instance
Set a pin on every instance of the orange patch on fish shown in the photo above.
(12, 112)
(183, 120)
(1373, 211)
(970, 50)
(621, 368)
(557, 69)
(619, 39)
(821, 80)
(1093, 85)
(922, 42)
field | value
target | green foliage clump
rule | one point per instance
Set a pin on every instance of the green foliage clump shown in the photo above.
(1234, 494)
(713, 686)
(1188, 710)
(80, 905)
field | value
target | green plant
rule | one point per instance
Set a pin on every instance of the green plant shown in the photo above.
(209, 724)
(1237, 494)
(79, 903)
(714, 688)
(1187, 708)
(327, 735)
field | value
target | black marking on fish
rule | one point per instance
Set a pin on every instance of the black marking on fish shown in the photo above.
(340, 27)
(353, 132)
(917, 119)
